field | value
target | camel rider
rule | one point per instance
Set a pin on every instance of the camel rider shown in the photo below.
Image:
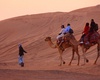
(62, 29)
(85, 32)
(92, 26)
(61, 34)
(67, 29)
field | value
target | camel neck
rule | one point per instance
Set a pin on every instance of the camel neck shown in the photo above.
(51, 44)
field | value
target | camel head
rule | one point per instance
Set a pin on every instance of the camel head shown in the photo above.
(47, 38)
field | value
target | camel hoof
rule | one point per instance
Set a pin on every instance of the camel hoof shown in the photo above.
(87, 60)
(64, 62)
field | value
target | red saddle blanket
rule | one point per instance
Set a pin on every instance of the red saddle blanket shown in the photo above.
(92, 37)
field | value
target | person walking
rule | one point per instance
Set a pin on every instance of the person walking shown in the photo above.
(21, 54)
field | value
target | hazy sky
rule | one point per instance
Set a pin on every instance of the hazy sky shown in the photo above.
(13, 8)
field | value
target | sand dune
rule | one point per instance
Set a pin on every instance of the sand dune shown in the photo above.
(41, 61)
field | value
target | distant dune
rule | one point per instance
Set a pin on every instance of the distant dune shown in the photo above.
(31, 30)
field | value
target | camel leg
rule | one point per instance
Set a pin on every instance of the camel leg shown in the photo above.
(61, 60)
(73, 52)
(98, 49)
(85, 59)
(84, 51)
(85, 56)
(96, 58)
(77, 55)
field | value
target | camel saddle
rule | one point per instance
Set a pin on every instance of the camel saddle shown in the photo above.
(92, 37)
(61, 40)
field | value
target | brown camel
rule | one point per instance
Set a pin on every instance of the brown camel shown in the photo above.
(69, 42)
(86, 47)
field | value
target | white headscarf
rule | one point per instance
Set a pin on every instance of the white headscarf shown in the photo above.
(19, 45)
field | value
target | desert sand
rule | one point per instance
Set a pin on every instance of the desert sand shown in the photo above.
(41, 61)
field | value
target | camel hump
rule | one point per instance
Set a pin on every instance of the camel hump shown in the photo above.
(71, 39)
(94, 37)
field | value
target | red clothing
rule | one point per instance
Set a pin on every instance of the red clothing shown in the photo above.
(86, 29)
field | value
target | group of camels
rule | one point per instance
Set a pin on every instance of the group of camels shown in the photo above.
(73, 43)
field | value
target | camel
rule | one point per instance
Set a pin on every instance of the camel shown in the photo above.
(85, 47)
(71, 42)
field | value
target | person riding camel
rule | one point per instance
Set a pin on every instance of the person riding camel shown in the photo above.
(92, 26)
(85, 32)
(67, 29)
(61, 34)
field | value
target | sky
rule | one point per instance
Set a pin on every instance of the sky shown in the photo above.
(14, 8)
